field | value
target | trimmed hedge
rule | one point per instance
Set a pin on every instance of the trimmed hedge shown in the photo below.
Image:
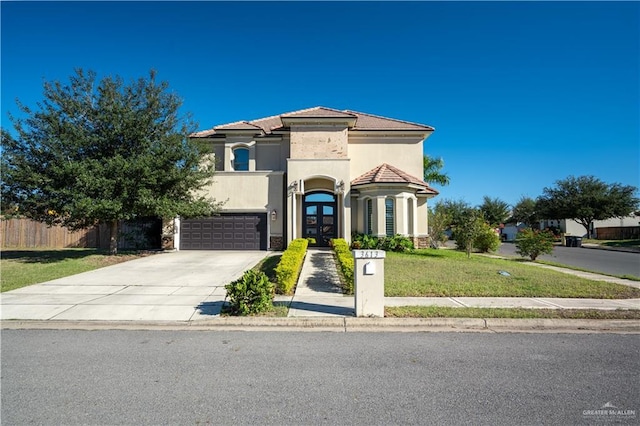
(345, 260)
(288, 269)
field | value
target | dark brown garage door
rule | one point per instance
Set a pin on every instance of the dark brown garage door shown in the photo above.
(229, 231)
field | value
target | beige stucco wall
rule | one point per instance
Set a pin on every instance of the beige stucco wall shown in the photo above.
(251, 192)
(319, 142)
(268, 156)
(423, 217)
(404, 153)
(218, 154)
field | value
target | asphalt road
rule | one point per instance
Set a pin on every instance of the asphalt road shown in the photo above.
(606, 261)
(206, 378)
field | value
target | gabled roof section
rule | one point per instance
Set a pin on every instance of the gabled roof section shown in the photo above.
(238, 125)
(386, 173)
(318, 112)
(363, 122)
(374, 122)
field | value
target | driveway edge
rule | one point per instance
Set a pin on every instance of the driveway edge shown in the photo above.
(347, 324)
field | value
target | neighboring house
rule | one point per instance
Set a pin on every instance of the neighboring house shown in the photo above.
(627, 227)
(318, 173)
(510, 230)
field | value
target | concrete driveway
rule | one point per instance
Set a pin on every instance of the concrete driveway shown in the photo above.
(174, 286)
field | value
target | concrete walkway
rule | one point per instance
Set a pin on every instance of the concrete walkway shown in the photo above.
(318, 293)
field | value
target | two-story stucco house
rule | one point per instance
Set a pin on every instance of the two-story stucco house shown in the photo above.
(318, 173)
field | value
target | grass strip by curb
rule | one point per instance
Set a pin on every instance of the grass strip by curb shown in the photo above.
(449, 312)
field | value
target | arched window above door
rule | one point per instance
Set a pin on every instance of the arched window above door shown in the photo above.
(320, 197)
(241, 159)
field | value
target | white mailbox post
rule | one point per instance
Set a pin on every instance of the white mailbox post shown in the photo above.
(369, 282)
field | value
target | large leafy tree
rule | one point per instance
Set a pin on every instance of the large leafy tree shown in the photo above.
(439, 221)
(103, 152)
(453, 210)
(494, 210)
(432, 171)
(587, 198)
(526, 211)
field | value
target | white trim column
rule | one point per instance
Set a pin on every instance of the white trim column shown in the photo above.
(400, 214)
(379, 221)
(414, 216)
(294, 218)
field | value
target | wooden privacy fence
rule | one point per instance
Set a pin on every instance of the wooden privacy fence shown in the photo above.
(26, 233)
(618, 233)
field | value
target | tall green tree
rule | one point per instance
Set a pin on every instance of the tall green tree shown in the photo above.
(526, 211)
(103, 152)
(494, 210)
(439, 221)
(587, 198)
(470, 224)
(454, 210)
(432, 171)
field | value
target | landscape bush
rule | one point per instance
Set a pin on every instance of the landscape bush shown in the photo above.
(534, 243)
(487, 239)
(288, 269)
(250, 294)
(345, 260)
(396, 243)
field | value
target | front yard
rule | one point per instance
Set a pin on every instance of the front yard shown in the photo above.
(448, 273)
(21, 268)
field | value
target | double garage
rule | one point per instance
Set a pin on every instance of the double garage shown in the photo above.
(229, 231)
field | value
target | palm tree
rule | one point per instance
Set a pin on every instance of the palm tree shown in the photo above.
(432, 173)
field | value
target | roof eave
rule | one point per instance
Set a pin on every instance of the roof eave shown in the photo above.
(240, 132)
(421, 188)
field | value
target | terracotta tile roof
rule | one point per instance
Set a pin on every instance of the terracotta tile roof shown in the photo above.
(238, 125)
(386, 173)
(363, 121)
(374, 122)
(318, 112)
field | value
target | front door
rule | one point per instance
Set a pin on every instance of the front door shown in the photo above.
(319, 218)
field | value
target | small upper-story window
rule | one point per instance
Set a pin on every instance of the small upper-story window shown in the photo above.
(241, 159)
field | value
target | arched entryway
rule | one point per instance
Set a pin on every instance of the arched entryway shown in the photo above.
(320, 217)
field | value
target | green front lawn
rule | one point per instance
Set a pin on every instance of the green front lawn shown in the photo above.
(21, 268)
(448, 312)
(448, 273)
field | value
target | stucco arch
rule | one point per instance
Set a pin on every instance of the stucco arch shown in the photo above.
(320, 183)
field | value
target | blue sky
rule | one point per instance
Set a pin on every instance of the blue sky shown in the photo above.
(521, 93)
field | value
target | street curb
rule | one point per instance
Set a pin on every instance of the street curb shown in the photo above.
(620, 249)
(345, 325)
